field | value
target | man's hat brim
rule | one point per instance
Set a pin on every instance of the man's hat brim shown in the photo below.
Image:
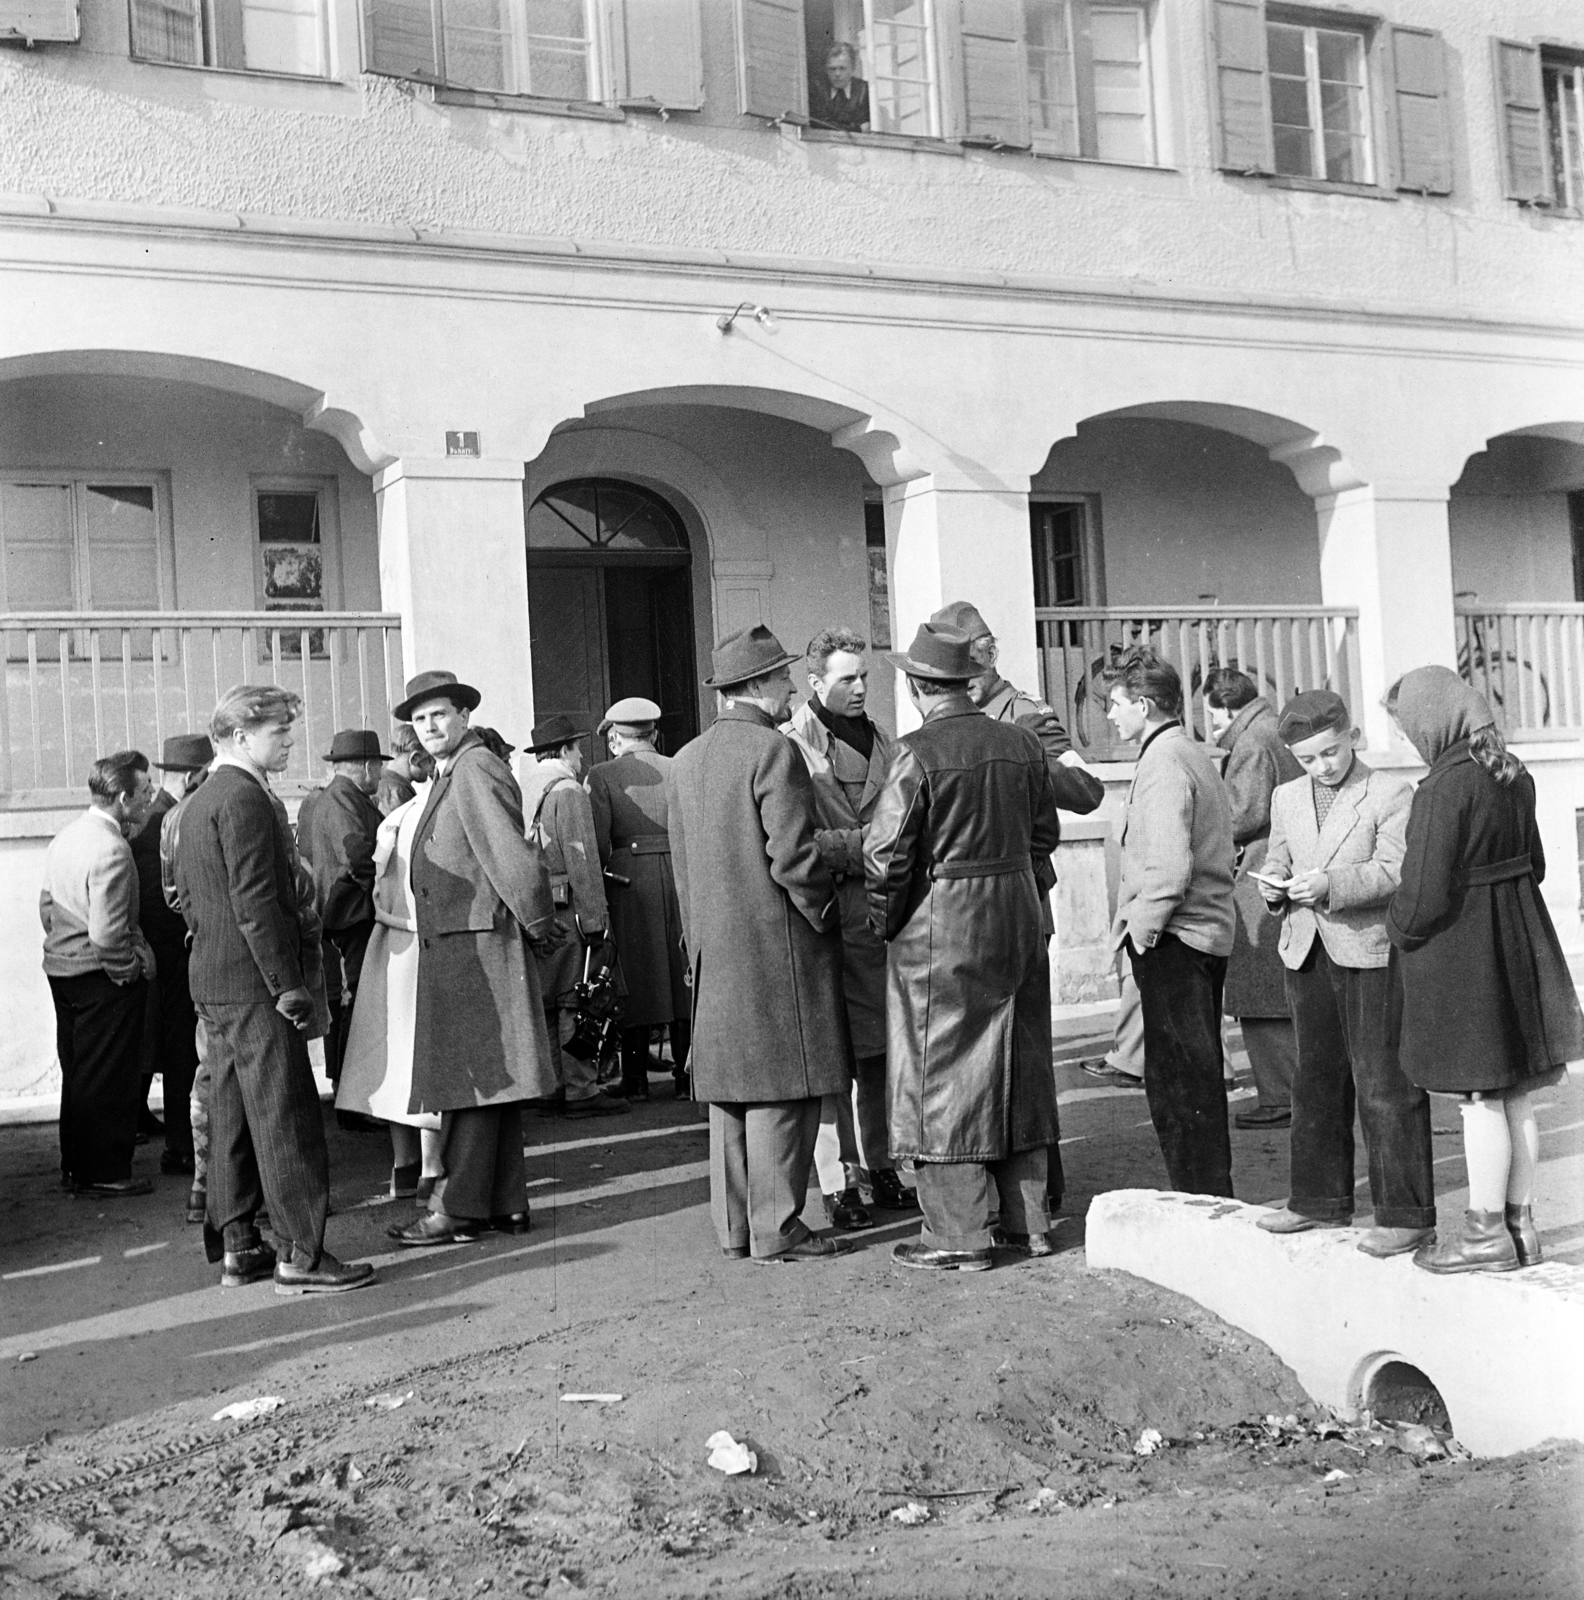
(922, 669)
(784, 660)
(461, 694)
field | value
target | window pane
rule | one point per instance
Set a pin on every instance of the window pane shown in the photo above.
(557, 49)
(123, 547)
(1341, 57)
(1123, 139)
(548, 530)
(1114, 35)
(1294, 156)
(1285, 49)
(283, 36)
(478, 45)
(36, 525)
(1289, 103)
(167, 30)
(1345, 159)
(1053, 97)
(899, 61)
(288, 517)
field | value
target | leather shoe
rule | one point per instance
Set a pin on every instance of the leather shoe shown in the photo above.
(1285, 1221)
(173, 1161)
(845, 1210)
(435, 1227)
(121, 1190)
(1264, 1117)
(1384, 1242)
(1028, 1244)
(598, 1105)
(517, 1222)
(550, 1105)
(247, 1266)
(890, 1193)
(1484, 1246)
(1101, 1072)
(814, 1248)
(326, 1276)
(911, 1253)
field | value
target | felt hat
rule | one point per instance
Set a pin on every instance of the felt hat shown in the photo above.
(633, 712)
(963, 616)
(939, 653)
(1311, 712)
(356, 744)
(186, 752)
(554, 732)
(748, 653)
(436, 686)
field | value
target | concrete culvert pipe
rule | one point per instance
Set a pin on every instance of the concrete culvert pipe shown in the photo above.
(1394, 1390)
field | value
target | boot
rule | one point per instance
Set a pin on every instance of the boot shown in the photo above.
(1486, 1246)
(1525, 1237)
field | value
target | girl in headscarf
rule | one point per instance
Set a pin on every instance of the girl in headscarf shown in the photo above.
(1488, 1009)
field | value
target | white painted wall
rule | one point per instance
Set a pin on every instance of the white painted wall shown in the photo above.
(1511, 538)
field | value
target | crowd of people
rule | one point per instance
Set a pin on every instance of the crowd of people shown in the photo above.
(839, 938)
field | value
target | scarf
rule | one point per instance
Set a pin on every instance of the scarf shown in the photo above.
(1437, 710)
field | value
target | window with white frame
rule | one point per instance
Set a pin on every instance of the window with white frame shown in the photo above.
(898, 51)
(282, 36)
(1090, 90)
(80, 544)
(1563, 92)
(1319, 102)
(531, 47)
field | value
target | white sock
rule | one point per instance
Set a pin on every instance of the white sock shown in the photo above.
(1488, 1151)
(1524, 1135)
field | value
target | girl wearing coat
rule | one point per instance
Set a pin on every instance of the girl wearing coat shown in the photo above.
(1488, 1009)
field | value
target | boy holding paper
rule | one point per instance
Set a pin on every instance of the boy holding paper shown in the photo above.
(1336, 854)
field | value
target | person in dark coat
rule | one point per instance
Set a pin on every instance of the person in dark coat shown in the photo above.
(842, 100)
(336, 828)
(1256, 991)
(483, 911)
(957, 861)
(1488, 1008)
(628, 797)
(173, 1032)
(763, 936)
(237, 886)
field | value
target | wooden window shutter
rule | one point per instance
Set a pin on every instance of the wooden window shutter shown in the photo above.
(401, 38)
(1420, 144)
(55, 21)
(1520, 121)
(656, 54)
(1242, 86)
(772, 60)
(994, 72)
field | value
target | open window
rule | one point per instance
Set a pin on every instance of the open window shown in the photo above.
(277, 36)
(1540, 99)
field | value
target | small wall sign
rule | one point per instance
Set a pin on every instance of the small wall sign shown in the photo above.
(462, 444)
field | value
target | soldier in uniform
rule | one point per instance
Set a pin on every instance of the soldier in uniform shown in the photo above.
(628, 797)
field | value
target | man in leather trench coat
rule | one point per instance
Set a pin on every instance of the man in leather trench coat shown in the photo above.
(957, 860)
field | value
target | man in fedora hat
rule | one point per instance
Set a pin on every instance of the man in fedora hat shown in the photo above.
(630, 821)
(556, 809)
(764, 945)
(957, 857)
(482, 902)
(336, 829)
(170, 1041)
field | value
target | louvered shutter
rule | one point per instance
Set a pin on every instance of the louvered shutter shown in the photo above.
(656, 55)
(1242, 86)
(1520, 122)
(1419, 117)
(400, 38)
(772, 59)
(55, 21)
(995, 72)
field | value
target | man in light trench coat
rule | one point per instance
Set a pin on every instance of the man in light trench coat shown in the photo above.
(957, 858)
(483, 903)
(763, 937)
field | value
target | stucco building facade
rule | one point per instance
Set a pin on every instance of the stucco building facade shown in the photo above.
(551, 347)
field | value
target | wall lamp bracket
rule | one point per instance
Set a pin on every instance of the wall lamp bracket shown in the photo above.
(760, 314)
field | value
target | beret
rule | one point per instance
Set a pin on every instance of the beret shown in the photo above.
(1311, 712)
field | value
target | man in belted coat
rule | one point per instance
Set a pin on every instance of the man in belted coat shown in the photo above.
(482, 900)
(336, 828)
(847, 757)
(958, 860)
(628, 796)
(556, 809)
(764, 947)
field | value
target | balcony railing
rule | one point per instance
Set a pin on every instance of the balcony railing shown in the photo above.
(1282, 648)
(79, 685)
(1528, 662)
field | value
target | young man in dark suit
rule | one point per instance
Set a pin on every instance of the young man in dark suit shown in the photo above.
(236, 881)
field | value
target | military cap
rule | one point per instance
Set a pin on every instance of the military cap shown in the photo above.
(963, 616)
(1310, 712)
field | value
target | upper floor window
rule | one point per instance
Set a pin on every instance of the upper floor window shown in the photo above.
(1540, 94)
(898, 45)
(1564, 100)
(286, 36)
(1320, 114)
(1089, 81)
(537, 47)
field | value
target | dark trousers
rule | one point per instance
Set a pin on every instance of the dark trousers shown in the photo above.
(955, 1199)
(760, 1156)
(1180, 993)
(635, 1059)
(266, 1134)
(1272, 1046)
(99, 1039)
(1345, 1062)
(481, 1150)
(174, 1053)
(344, 949)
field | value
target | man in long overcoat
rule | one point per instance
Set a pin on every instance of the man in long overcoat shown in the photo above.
(958, 862)
(628, 796)
(482, 898)
(764, 947)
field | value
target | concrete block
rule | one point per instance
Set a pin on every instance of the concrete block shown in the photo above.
(1503, 1350)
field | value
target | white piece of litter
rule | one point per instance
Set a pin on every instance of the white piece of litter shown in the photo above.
(1336, 1475)
(911, 1515)
(591, 1399)
(1148, 1442)
(388, 1402)
(327, 1564)
(241, 1410)
(726, 1455)
(28, 1355)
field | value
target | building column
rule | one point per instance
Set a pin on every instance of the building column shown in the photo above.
(960, 543)
(1386, 549)
(454, 564)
